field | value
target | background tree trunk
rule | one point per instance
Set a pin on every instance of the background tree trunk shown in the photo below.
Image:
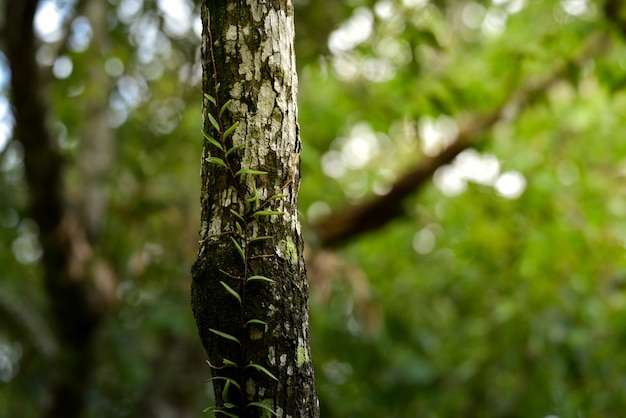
(248, 58)
(76, 309)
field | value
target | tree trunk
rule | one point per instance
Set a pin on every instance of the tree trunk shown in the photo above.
(249, 290)
(76, 308)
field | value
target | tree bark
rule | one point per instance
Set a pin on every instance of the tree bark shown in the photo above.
(252, 330)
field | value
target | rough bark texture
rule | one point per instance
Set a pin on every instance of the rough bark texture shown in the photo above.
(249, 51)
(75, 309)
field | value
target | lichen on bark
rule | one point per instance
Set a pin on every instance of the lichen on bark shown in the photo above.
(254, 64)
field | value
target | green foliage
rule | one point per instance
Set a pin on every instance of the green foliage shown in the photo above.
(472, 304)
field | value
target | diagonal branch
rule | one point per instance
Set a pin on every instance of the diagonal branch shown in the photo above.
(377, 212)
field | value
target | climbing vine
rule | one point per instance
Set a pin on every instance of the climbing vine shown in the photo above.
(223, 154)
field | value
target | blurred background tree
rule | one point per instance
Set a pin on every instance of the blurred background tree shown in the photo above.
(463, 199)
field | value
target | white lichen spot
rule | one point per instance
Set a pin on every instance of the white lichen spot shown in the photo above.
(287, 326)
(271, 356)
(247, 60)
(231, 33)
(302, 356)
(287, 249)
(289, 370)
(279, 412)
(261, 391)
(265, 100)
(283, 360)
(250, 387)
(235, 94)
(257, 8)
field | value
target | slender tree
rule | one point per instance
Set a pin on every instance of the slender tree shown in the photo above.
(77, 304)
(249, 290)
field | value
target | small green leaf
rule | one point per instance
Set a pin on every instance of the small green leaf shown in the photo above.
(254, 197)
(267, 213)
(231, 291)
(228, 379)
(261, 369)
(261, 238)
(209, 409)
(262, 406)
(239, 229)
(215, 160)
(262, 278)
(224, 335)
(237, 214)
(210, 98)
(256, 321)
(225, 392)
(230, 130)
(235, 148)
(223, 109)
(214, 123)
(248, 171)
(229, 405)
(239, 249)
(212, 140)
(278, 196)
(229, 363)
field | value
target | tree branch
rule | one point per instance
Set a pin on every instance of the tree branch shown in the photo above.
(377, 212)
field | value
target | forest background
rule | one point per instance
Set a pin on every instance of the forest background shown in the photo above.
(463, 200)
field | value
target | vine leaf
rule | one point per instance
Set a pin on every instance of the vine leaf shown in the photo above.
(229, 363)
(261, 369)
(231, 129)
(210, 98)
(214, 123)
(267, 213)
(210, 409)
(223, 109)
(239, 249)
(239, 229)
(235, 148)
(254, 197)
(225, 392)
(256, 321)
(224, 335)
(237, 214)
(262, 406)
(212, 140)
(228, 379)
(262, 278)
(232, 291)
(215, 160)
(249, 171)
(278, 196)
